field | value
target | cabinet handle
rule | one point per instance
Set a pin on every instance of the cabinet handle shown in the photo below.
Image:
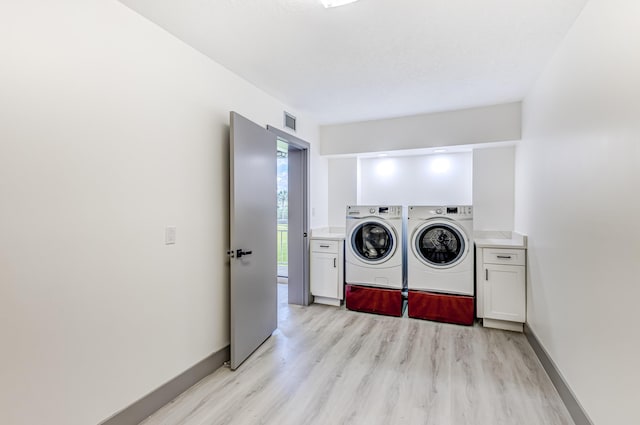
(325, 246)
(486, 274)
(504, 256)
(334, 263)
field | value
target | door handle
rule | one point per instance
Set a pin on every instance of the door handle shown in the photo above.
(486, 274)
(334, 263)
(504, 256)
(240, 253)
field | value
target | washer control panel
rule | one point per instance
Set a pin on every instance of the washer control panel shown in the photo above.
(383, 211)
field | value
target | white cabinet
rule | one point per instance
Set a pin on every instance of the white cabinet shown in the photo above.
(504, 292)
(327, 270)
(501, 286)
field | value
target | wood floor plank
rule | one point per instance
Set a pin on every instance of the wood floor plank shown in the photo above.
(326, 365)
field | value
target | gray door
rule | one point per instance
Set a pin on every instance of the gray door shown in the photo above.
(254, 304)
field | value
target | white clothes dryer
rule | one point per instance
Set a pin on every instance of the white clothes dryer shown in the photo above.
(374, 246)
(440, 254)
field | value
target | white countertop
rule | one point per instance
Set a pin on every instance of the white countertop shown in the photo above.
(327, 236)
(514, 240)
(328, 233)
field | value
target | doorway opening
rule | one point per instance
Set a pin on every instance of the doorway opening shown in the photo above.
(292, 194)
(282, 214)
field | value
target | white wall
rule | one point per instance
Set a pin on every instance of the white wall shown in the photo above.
(343, 188)
(493, 188)
(577, 180)
(496, 123)
(111, 129)
(319, 188)
(443, 179)
(484, 178)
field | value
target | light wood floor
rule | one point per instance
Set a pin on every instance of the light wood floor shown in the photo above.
(326, 365)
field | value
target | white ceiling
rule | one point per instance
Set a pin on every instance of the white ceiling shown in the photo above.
(374, 58)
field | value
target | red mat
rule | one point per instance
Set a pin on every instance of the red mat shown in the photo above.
(374, 300)
(458, 309)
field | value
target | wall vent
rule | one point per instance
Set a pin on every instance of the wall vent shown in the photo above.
(289, 121)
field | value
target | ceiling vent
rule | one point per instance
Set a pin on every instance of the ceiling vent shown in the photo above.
(289, 121)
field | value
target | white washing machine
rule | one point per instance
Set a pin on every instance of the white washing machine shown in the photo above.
(440, 255)
(374, 246)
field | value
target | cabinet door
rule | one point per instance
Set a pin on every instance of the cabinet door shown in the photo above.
(324, 274)
(504, 292)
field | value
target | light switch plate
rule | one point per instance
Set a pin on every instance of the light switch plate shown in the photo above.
(170, 235)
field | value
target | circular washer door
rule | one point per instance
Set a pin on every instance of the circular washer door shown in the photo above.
(440, 244)
(373, 241)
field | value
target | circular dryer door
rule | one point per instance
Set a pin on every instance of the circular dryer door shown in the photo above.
(440, 244)
(373, 241)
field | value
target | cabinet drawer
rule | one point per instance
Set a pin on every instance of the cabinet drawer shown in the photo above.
(323, 245)
(515, 257)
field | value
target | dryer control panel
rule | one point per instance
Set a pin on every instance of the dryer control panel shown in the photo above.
(461, 211)
(452, 211)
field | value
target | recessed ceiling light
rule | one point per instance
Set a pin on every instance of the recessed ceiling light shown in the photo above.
(336, 3)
